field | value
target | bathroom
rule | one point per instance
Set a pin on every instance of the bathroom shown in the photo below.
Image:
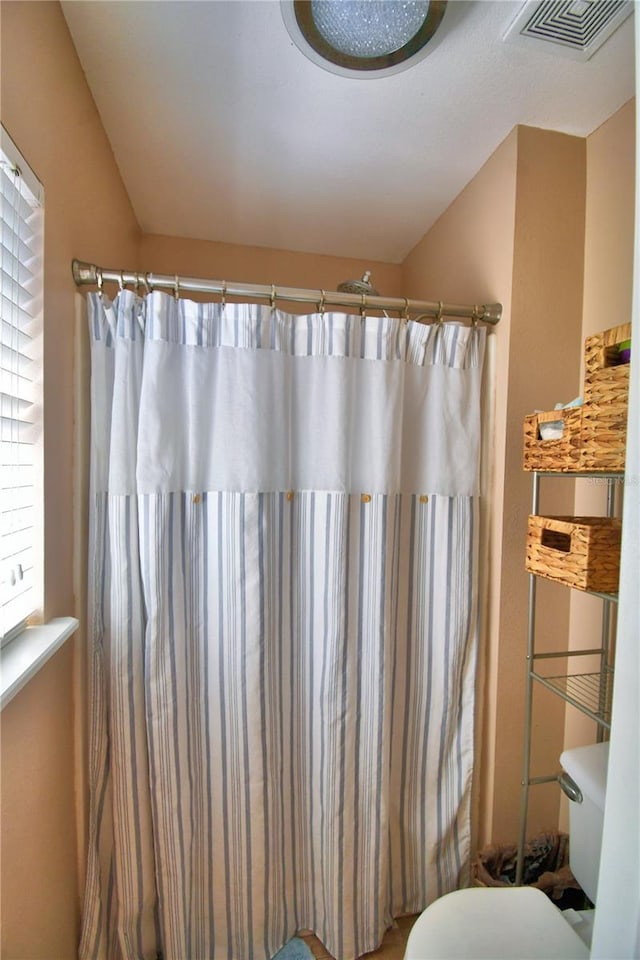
(545, 226)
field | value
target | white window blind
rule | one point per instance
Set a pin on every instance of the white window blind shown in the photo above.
(22, 216)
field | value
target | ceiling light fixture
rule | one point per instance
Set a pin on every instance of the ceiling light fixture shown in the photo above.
(363, 38)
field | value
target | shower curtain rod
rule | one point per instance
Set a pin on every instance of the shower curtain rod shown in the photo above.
(89, 273)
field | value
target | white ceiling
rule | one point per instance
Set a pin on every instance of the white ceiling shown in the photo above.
(223, 130)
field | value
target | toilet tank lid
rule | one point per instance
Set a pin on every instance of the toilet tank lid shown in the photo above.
(588, 767)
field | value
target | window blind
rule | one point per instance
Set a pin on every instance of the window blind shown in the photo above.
(21, 236)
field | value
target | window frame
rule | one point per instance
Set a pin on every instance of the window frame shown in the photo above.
(29, 643)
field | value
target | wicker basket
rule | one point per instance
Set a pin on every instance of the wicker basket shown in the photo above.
(562, 454)
(606, 395)
(581, 552)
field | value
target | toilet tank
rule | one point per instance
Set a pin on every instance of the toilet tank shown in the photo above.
(587, 767)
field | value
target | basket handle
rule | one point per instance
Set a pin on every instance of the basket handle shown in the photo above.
(555, 540)
(550, 416)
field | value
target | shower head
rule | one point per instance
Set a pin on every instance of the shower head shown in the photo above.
(359, 286)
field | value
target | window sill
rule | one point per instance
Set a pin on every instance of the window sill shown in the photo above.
(23, 656)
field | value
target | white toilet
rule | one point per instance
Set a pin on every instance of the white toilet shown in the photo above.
(521, 923)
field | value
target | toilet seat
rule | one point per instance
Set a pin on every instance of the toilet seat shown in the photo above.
(519, 923)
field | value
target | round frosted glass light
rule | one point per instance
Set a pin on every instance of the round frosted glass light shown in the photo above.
(368, 28)
(360, 38)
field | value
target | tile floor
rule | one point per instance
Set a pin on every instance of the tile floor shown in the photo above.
(392, 947)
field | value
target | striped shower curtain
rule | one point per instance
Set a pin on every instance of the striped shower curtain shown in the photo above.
(283, 625)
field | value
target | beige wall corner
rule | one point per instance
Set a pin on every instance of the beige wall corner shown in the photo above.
(543, 368)
(50, 114)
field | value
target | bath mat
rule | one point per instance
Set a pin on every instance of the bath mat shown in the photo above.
(295, 949)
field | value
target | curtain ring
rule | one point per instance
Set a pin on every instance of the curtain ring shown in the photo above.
(321, 304)
(476, 316)
(145, 281)
(121, 281)
(137, 284)
(363, 307)
(439, 313)
(272, 298)
(176, 288)
(100, 282)
(223, 295)
(405, 310)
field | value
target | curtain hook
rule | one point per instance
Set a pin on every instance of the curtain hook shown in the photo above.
(121, 281)
(176, 288)
(439, 313)
(475, 317)
(223, 296)
(363, 307)
(137, 284)
(405, 310)
(272, 298)
(321, 304)
(100, 282)
(145, 281)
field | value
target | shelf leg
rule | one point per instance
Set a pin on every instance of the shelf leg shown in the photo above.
(528, 705)
(606, 626)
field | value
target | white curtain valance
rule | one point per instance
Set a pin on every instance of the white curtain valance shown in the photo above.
(375, 405)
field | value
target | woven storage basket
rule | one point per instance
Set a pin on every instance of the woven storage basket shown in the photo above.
(582, 552)
(562, 454)
(606, 395)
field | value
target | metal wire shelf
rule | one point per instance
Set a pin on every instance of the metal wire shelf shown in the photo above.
(589, 692)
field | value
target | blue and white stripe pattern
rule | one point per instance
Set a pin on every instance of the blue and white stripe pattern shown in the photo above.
(282, 672)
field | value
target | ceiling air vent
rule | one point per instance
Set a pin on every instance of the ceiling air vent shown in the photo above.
(570, 28)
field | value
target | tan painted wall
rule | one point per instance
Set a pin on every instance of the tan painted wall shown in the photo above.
(227, 261)
(48, 111)
(515, 234)
(608, 251)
